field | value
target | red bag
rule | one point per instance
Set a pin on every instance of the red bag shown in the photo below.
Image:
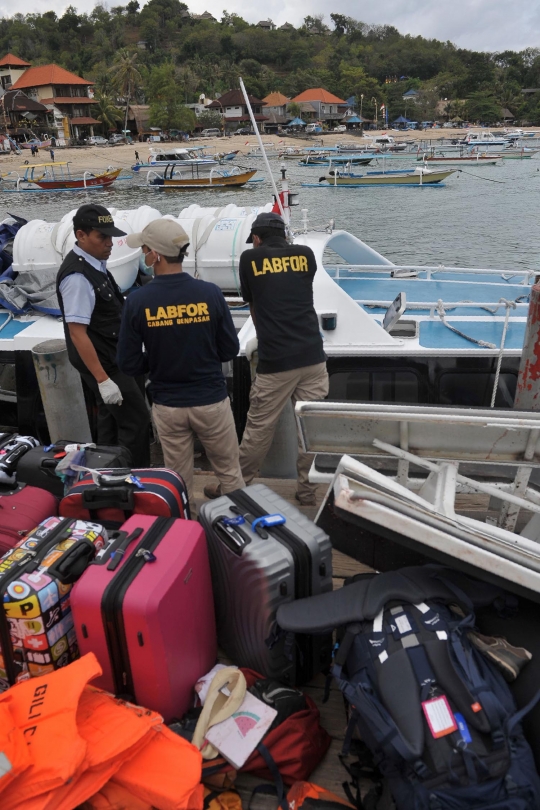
(297, 745)
(22, 508)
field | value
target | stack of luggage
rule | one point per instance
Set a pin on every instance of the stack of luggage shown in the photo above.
(115, 601)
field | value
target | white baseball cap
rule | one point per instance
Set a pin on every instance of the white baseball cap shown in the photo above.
(162, 235)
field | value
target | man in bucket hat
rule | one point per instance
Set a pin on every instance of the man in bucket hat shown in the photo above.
(91, 306)
(277, 282)
(187, 332)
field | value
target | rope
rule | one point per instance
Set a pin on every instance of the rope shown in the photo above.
(478, 177)
(509, 305)
(441, 313)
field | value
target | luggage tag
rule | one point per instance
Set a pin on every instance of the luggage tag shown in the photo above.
(268, 521)
(439, 716)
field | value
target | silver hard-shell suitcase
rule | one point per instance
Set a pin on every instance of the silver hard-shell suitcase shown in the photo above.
(255, 570)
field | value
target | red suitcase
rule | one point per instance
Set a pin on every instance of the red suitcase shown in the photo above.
(161, 493)
(21, 509)
(145, 608)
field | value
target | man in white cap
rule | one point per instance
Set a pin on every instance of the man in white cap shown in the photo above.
(187, 332)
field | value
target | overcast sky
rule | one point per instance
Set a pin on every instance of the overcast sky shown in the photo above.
(488, 25)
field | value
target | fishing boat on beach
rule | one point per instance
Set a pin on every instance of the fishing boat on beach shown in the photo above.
(395, 177)
(57, 177)
(191, 179)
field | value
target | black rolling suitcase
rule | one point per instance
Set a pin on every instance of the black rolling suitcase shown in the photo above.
(38, 466)
(257, 566)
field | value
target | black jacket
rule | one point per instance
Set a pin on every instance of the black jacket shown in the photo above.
(277, 280)
(104, 327)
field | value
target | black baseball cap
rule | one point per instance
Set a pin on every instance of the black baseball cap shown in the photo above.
(98, 218)
(266, 220)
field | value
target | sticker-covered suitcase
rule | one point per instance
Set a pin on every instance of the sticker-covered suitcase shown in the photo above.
(145, 609)
(36, 577)
(121, 493)
(21, 509)
(37, 467)
(255, 569)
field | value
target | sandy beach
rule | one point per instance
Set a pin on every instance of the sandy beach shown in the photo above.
(100, 157)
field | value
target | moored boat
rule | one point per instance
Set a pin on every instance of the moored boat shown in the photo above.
(194, 156)
(173, 178)
(58, 177)
(413, 177)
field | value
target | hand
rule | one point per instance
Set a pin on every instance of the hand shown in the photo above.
(251, 347)
(110, 393)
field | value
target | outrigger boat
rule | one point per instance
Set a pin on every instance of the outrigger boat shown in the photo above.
(468, 159)
(396, 177)
(58, 177)
(322, 159)
(194, 156)
(173, 178)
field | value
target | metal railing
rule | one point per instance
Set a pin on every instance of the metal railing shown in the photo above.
(411, 271)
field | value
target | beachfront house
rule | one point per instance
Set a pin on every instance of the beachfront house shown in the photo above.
(275, 111)
(22, 117)
(68, 97)
(328, 108)
(235, 113)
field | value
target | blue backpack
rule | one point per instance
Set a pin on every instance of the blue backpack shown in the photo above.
(437, 716)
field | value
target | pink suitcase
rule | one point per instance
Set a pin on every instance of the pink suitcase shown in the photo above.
(22, 508)
(145, 608)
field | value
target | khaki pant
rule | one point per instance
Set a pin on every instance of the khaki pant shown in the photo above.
(269, 395)
(214, 425)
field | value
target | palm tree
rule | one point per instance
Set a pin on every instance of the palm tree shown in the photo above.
(106, 112)
(126, 75)
(294, 109)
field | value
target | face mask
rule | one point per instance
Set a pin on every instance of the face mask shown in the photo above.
(148, 271)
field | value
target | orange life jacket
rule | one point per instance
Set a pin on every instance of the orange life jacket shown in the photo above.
(45, 711)
(14, 754)
(115, 797)
(114, 731)
(301, 791)
(166, 773)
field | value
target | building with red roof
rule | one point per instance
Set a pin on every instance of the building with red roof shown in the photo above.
(12, 68)
(68, 97)
(328, 107)
(233, 108)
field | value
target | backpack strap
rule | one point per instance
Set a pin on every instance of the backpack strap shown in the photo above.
(276, 776)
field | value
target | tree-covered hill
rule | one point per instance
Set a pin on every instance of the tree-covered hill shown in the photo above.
(346, 56)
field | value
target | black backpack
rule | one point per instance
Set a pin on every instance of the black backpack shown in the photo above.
(437, 716)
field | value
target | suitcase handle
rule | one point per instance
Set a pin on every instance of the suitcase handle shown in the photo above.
(73, 563)
(109, 497)
(231, 535)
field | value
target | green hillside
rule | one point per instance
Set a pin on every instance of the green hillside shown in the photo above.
(346, 56)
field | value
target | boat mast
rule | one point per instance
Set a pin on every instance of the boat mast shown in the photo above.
(263, 151)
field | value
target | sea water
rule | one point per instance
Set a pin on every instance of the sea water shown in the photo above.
(486, 216)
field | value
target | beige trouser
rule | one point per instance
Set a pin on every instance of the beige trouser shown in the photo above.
(214, 425)
(269, 395)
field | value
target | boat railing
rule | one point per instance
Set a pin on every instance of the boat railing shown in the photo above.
(412, 271)
(491, 307)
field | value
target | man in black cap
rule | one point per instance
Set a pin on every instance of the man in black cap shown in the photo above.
(91, 306)
(277, 282)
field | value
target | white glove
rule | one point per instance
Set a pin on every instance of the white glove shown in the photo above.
(251, 347)
(110, 393)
